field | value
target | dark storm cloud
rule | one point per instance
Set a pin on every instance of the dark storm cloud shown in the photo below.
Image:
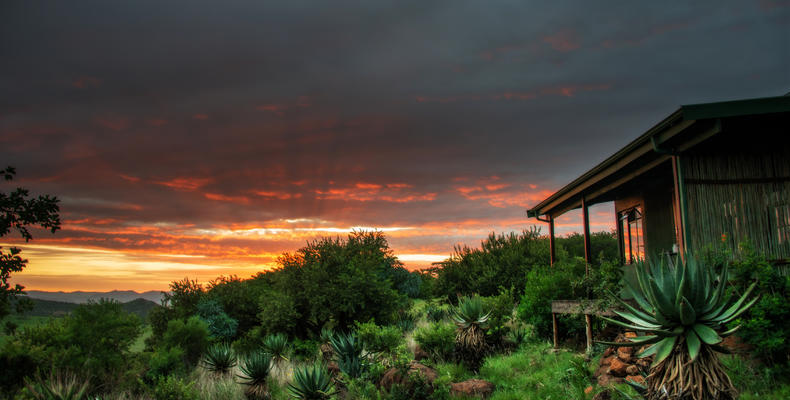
(369, 113)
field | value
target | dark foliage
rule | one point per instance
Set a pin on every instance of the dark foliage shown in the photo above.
(19, 212)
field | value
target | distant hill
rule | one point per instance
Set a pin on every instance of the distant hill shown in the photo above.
(79, 297)
(48, 308)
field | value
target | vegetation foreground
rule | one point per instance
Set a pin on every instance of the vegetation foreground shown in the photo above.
(342, 319)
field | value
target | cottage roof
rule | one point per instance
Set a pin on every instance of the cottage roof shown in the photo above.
(681, 130)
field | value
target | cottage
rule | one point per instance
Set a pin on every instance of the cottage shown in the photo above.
(706, 173)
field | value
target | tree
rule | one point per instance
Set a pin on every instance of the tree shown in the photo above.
(19, 212)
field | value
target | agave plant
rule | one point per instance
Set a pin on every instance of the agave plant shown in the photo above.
(219, 359)
(57, 387)
(471, 320)
(277, 346)
(348, 354)
(684, 309)
(255, 371)
(311, 383)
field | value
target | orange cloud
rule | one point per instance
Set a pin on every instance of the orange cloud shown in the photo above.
(231, 199)
(185, 183)
(277, 195)
(393, 193)
(496, 195)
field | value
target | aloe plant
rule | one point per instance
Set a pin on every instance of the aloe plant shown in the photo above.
(471, 320)
(219, 359)
(311, 383)
(349, 355)
(255, 370)
(277, 346)
(57, 387)
(684, 309)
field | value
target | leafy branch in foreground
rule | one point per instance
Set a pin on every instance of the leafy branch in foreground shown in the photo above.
(684, 308)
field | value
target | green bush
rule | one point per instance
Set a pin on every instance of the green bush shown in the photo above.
(191, 335)
(766, 326)
(544, 285)
(437, 339)
(501, 312)
(164, 362)
(221, 326)
(380, 339)
(304, 349)
(173, 388)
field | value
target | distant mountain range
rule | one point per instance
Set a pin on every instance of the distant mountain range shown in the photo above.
(79, 297)
(49, 308)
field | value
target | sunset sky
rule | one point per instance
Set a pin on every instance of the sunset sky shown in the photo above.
(206, 138)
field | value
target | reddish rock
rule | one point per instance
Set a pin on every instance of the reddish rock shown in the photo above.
(602, 370)
(632, 370)
(588, 390)
(419, 354)
(638, 379)
(608, 352)
(472, 387)
(393, 375)
(624, 353)
(644, 363)
(630, 335)
(617, 367)
(607, 360)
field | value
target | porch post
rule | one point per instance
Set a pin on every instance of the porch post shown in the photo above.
(552, 250)
(587, 250)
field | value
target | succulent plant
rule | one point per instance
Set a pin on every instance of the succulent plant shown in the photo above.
(255, 370)
(471, 320)
(57, 387)
(349, 355)
(684, 309)
(277, 346)
(311, 383)
(219, 359)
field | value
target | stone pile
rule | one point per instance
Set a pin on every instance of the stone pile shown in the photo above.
(619, 364)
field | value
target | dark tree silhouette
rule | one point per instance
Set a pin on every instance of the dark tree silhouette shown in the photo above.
(19, 212)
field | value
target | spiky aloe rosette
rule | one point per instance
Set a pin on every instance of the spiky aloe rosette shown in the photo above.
(470, 341)
(683, 308)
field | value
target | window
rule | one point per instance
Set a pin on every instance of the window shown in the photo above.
(631, 230)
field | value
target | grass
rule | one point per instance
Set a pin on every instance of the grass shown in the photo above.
(139, 344)
(22, 321)
(537, 372)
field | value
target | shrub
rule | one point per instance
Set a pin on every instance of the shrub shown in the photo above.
(57, 387)
(164, 362)
(304, 349)
(766, 326)
(174, 388)
(379, 339)
(544, 285)
(191, 335)
(500, 313)
(221, 326)
(437, 339)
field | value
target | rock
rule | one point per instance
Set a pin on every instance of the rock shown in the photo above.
(607, 360)
(472, 387)
(617, 367)
(394, 377)
(608, 352)
(602, 370)
(588, 390)
(630, 335)
(624, 353)
(644, 363)
(638, 379)
(420, 354)
(632, 370)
